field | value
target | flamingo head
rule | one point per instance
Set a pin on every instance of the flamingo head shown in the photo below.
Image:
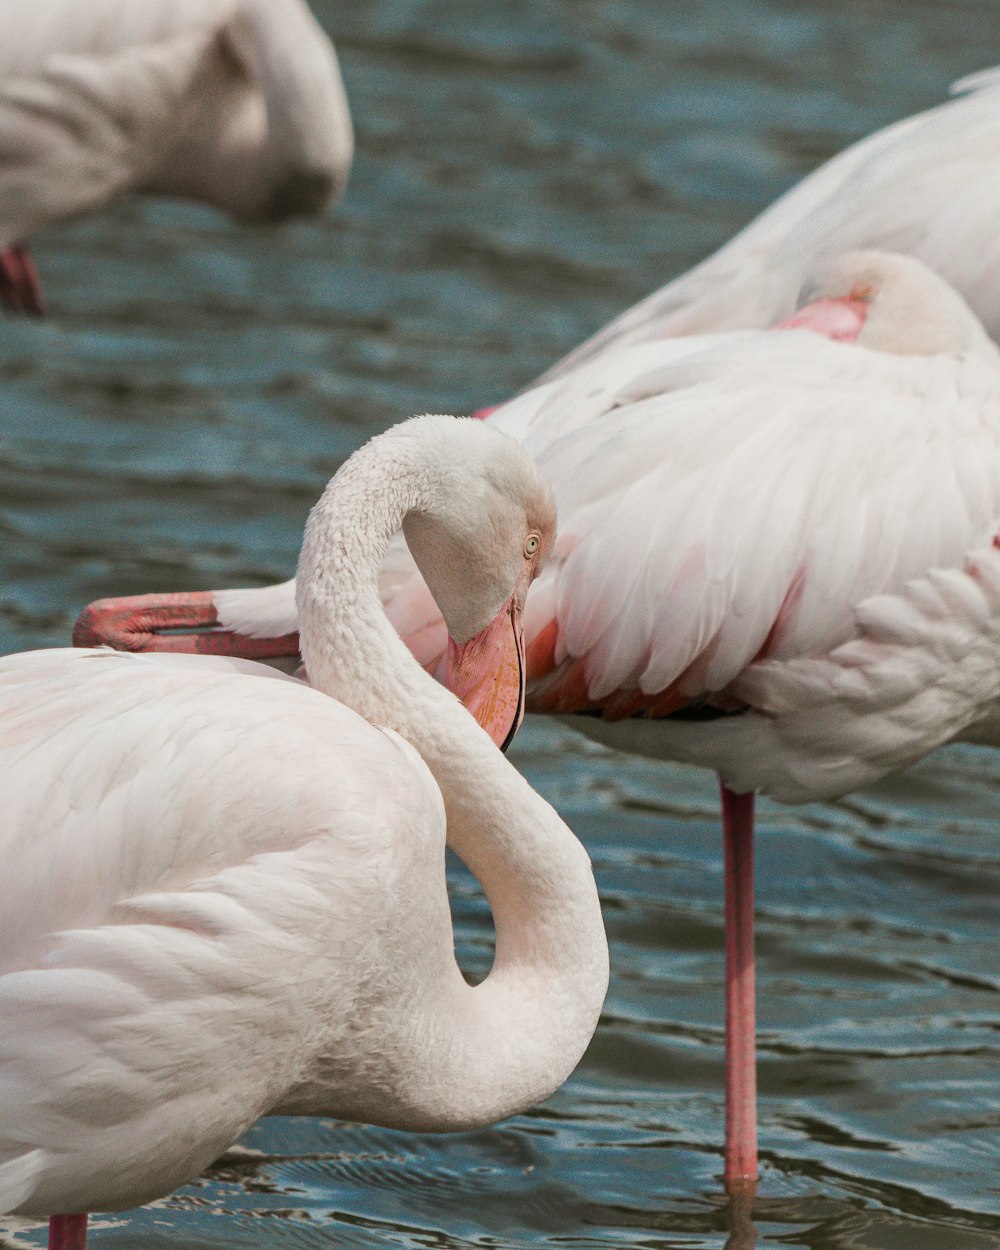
(479, 550)
(888, 303)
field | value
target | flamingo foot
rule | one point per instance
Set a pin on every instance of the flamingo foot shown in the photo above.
(20, 286)
(741, 1058)
(68, 1232)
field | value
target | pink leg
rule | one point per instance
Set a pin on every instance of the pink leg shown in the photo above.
(68, 1232)
(741, 1059)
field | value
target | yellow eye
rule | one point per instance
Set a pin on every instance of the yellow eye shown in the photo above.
(531, 545)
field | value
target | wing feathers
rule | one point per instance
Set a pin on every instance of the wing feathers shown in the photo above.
(738, 517)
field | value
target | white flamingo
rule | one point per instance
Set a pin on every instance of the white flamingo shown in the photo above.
(776, 559)
(927, 186)
(206, 860)
(237, 103)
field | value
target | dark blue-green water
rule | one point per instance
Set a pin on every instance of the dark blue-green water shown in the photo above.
(524, 171)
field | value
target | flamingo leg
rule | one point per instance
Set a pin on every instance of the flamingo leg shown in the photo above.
(68, 1232)
(20, 287)
(741, 1058)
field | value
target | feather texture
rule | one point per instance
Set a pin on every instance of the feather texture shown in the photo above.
(118, 944)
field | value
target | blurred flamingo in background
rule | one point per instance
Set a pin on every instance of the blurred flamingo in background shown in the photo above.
(236, 103)
(927, 186)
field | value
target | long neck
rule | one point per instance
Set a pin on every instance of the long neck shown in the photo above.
(507, 1043)
(310, 141)
(258, 123)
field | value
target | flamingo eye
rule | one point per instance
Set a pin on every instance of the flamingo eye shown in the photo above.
(531, 545)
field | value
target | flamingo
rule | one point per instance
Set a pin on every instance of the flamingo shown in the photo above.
(236, 103)
(777, 559)
(927, 186)
(205, 858)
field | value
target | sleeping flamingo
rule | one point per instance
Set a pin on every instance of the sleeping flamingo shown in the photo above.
(763, 565)
(236, 103)
(927, 186)
(203, 858)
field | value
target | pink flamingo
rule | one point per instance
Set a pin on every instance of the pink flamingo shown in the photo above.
(236, 103)
(206, 859)
(776, 559)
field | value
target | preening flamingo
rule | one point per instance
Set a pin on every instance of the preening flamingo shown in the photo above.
(203, 858)
(237, 103)
(927, 186)
(776, 559)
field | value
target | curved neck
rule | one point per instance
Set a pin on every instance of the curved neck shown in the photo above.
(254, 118)
(510, 1041)
(309, 134)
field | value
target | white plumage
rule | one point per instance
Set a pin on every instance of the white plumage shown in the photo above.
(193, 855)
(729, 506)
(733, 516)
(225, 890)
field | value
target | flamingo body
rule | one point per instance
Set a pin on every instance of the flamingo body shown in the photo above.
(168, 936)
(751, 569)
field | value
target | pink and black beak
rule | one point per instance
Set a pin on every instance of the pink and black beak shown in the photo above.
(841, 319)
(488, 672)
(187, 623)
(20, 286)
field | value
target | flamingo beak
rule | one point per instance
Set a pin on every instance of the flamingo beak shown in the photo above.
(175, 622)
(841, 319)
(488, 673)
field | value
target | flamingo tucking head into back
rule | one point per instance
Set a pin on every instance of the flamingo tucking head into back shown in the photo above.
(204, 857)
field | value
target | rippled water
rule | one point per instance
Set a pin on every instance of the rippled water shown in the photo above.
(524, 171)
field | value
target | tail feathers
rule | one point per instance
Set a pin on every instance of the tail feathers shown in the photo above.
(17, 1180)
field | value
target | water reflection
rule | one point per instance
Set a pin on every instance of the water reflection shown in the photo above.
(742, 1233)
